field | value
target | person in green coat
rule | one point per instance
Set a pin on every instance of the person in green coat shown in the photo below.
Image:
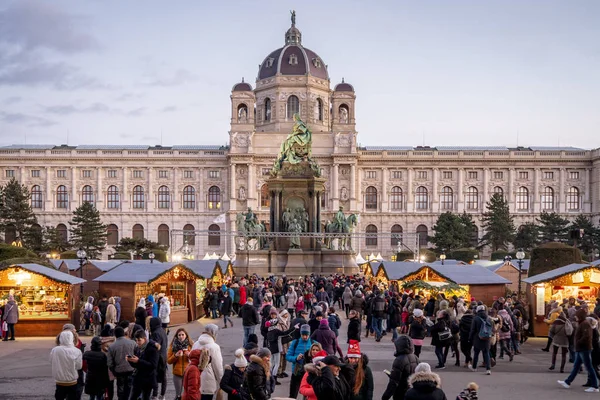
(363, 382)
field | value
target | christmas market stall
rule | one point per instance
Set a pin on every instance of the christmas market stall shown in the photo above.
(580, 281)
(227, 269)
(210, 274)
(461, 280)
(90, 271)
(47, 298)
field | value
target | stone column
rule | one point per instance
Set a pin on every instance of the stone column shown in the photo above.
(384, 190)
(561, 208)
(588, 189)
(509, 192)
(410, 196)
(74, 200)
(435, 204)
(201, 197)
(317, 217)
(460, 203)
(149, 193)
(175, 200)
(352, 187)
(536, 191)
(359, 199)
(335, 191)
(232, 188)
(251, 192)
(125, 204)
(99, 195)
(486, 187)
(22, 175)
(49, 203)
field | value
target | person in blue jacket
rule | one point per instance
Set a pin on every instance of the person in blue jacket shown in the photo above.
(295, 355)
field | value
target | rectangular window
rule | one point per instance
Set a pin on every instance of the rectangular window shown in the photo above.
(548, 175)
(61, 173)
(163, 173)
(396, 174)
(447, 174)
(214, 174)
(371, 174)
(111, 173)
(138, 173)
(421, 174)
(574, 175)
(86, 173)
(35, 173)
(523, 175)
(188, 174)
(498, 175)
(10, 173)
(472, 175)
(266, 171)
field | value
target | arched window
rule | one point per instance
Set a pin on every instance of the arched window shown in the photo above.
(112, 197)
(189, 198)
(214, 198)
(522, 199)
(422, 198)
(319, 110)
(422, 232)
(214, 235)
(396, 235)
(371, 235)
(87, 194)
(472, 198)
(138, 197)
(137, 232)
(499, 190)
(573, 199)
(548, 198)
(63, 232)
(112, 237)
(265, 196)
(396, 198)
(37, 197)
(163, 234)
(242, 113)
(293, 107)
(10, 234)
(267, 109)
(371, 198)
(62, 197)
(189, 236)
(164, 197)
(447, 198)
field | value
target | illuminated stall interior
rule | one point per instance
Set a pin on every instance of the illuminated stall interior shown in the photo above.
(46, 298)
(580, 281)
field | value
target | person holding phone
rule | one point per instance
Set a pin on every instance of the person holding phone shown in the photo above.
(145, 363)
(178, 356)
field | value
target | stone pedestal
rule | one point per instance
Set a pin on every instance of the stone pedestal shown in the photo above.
(295, 262)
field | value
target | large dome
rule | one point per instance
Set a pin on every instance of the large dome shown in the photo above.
(293, 59)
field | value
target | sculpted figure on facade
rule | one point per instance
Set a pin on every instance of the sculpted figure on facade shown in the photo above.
(295, 228)
(344, 193)
(343, 115)
(242, 193)
(296, 148)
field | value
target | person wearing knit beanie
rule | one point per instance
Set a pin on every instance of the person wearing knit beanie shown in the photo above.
(233, 377)
(240, 360)
(353, 349)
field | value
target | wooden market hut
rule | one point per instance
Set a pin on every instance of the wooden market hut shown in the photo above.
(91, 270)
(210, 275)
(510, 271)
(573, 280)
(476, 281)
(226, 269)
(47, 298)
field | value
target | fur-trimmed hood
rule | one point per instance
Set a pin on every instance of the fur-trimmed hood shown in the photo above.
(424, 381)
(257, 360)
(312, 369)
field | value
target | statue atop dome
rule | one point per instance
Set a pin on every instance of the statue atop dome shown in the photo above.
(293, 12)
(296, 148)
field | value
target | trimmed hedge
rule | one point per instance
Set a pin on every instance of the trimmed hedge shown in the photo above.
(550, 256)
(68, 255)
(121, 256)
(404, 255)
(8, 252)
(467, 255)
(409, 255)
(500, 254)
(159, 255)
(26, 260)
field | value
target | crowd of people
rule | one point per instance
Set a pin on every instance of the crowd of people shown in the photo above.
(299, 322)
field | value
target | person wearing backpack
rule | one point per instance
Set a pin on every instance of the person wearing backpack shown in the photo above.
(295, 356)
(379, 312)
(441, 338)
(480, 335)
(505, 334)
(560, 330)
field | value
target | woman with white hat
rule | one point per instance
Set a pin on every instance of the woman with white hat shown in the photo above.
(233, 377)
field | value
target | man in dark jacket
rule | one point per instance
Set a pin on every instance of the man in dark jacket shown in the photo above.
(145, 362)
(158, 335)
(117, 363)
(480, 344)
(314, 323)
(226, 309)
(379, 312)
(354, 326)
(103, 305)
(332, 380)
(258, 379)
(322, 295)
(249, 319)
(404, 365)
(464, 332)
(299, 320)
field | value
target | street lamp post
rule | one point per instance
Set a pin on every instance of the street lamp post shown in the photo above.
(443, 256)
(81, 255)
(520, 256)
(151, 256)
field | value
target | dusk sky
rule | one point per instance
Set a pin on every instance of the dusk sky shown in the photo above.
(433, 72)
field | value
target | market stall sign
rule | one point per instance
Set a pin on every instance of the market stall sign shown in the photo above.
(540, 307)
(19, 277)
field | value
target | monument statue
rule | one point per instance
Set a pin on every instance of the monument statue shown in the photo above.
(286, 218)
(295, 227)
(341, 229)
(293, 12)
(296, 148)
(249, 228)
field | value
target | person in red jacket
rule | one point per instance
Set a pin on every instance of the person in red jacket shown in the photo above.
(191, 378)
(243, 295)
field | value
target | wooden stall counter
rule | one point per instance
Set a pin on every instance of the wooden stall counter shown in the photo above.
(179, 315)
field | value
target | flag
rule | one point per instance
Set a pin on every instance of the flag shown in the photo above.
(220, 219)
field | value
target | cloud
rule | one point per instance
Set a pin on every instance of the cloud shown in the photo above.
(129, 96)
(136, 112)
(12, 100)
(169, 109)
(95, 108)
(180, 77)
(29, 120)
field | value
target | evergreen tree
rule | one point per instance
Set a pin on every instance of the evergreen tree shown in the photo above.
(137, 245)
(87, 230)
(15, 209)
(54, 241)
(588, 242)
(498, 224)
(553, 227)
(450, 232)
(471, 230)
(527, 237)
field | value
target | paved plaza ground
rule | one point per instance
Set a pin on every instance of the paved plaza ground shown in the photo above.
(25, 369)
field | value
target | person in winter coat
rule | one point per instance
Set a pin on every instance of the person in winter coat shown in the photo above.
(111, 312)
(118, 307)
(96, 378)
(354, 326)
(178, 356)
(250, 319)
(404, 365)
(438, 340)
(347, 300)
(334, 321)
(560, 330)
(251, 346)
(480, 344)
(141, 313)
(103, 306)
(291, 298)
(11, 316)
(363, 386)
(277, 328)
(213, 373)
(295, 356)
(461, 308)
(358, 304)
(158, 335)
(470, 392)
(331, 379)
(65, 360)
(258, 376)
(424, 385)
(506, 331)
(417, 330)
(145, 361)
(464, 330)
(313, 355)
(299, 320)
(243, 295)
(149, 306)
(199, 359)
(164, 313)
(226, 309)
(88, 308)
(233, 377)
(327, 338)
(117, 363)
